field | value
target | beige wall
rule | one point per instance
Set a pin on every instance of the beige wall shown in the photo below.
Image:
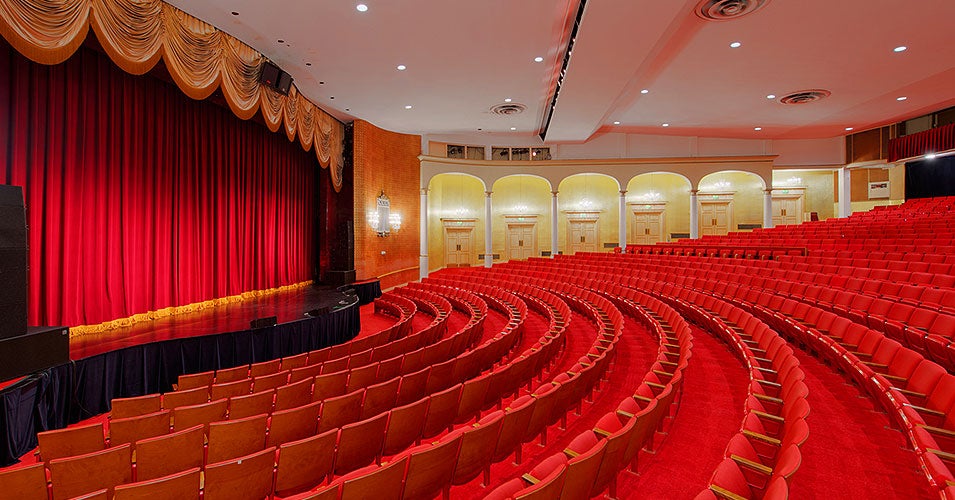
(819, 189)
(673, 189)
(449, 194)
(603, 194)
(510, 193)
(747, 192)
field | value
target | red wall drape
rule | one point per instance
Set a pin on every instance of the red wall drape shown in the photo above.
(139, 198)
(928, 141)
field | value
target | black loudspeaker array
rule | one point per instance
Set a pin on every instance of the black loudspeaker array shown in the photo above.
(276, 79)
(13, 262)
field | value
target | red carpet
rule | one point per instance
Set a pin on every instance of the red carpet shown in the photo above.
(851, 452)
(635, 352)
(710, 414)
(372, 323)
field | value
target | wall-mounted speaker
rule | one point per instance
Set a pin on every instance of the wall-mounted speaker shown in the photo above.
(13, 262)
(276, 79)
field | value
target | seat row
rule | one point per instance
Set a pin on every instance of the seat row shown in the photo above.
(310, 413)
(592, 461)
(502, 432)
(916, 392)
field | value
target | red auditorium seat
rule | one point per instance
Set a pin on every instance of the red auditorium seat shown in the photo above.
(164, 455)
(413, 385)
(380, 398)
(245, 478)
(360, 443)
(378, 482)
(181, 486)
(251, 404)
(235, 438)
(132, 429)
(305, 463)
(517, 417)
(190, 397)
(405, 425)
(230, 389)
(70, 441)
(585, 453)
(441, 411)
(25, 483)
(195, 381)
(264, 368)
(294, 424)
(185, 417)
(431, 469)
(341, 410)
(329, 385)
(81, 474)
(477, 445)
(227, 375)
(134, 407)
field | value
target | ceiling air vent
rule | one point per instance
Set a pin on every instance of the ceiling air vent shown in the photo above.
(805, 96)
(508, 109)
(727, 10)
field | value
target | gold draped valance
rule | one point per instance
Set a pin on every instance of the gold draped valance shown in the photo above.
(137, 33)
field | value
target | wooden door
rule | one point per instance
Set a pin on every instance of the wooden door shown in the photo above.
(582, 236)
(715, 218)
(648, 228)
(787, 211)
(521, 241)
(457, 244)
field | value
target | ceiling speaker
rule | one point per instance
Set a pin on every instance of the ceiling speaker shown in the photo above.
(276, 79)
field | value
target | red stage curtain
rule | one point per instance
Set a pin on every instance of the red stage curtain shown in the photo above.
(139, 198)
(929, 141)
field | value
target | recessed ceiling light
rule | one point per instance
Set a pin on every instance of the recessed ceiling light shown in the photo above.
(930, 156)
(234, 13)
(402, 67)
(361, 7)
(480, 129)
(538, 59)
(771, 96)
(848, 129)
(507, 100)
(645, 91)
(666, 124)
(513, 128)
(346, 109)
(308, 64)
(616, 123)
(407, 106)
(900, 48)
(321, 83)
(332, 97)
(736, 45)
(757, 128)
(281, 41)
(901, 98)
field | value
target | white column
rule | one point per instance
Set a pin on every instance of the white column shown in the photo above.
(553, 224)
(768, 208)
(694, 215)
(622, 222)
(845, 192)
(423, 237)
(488, 249)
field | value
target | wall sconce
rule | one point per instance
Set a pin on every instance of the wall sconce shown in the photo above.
(383, 220)
(721, 186)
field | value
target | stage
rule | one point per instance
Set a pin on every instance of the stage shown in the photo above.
(149, 356)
